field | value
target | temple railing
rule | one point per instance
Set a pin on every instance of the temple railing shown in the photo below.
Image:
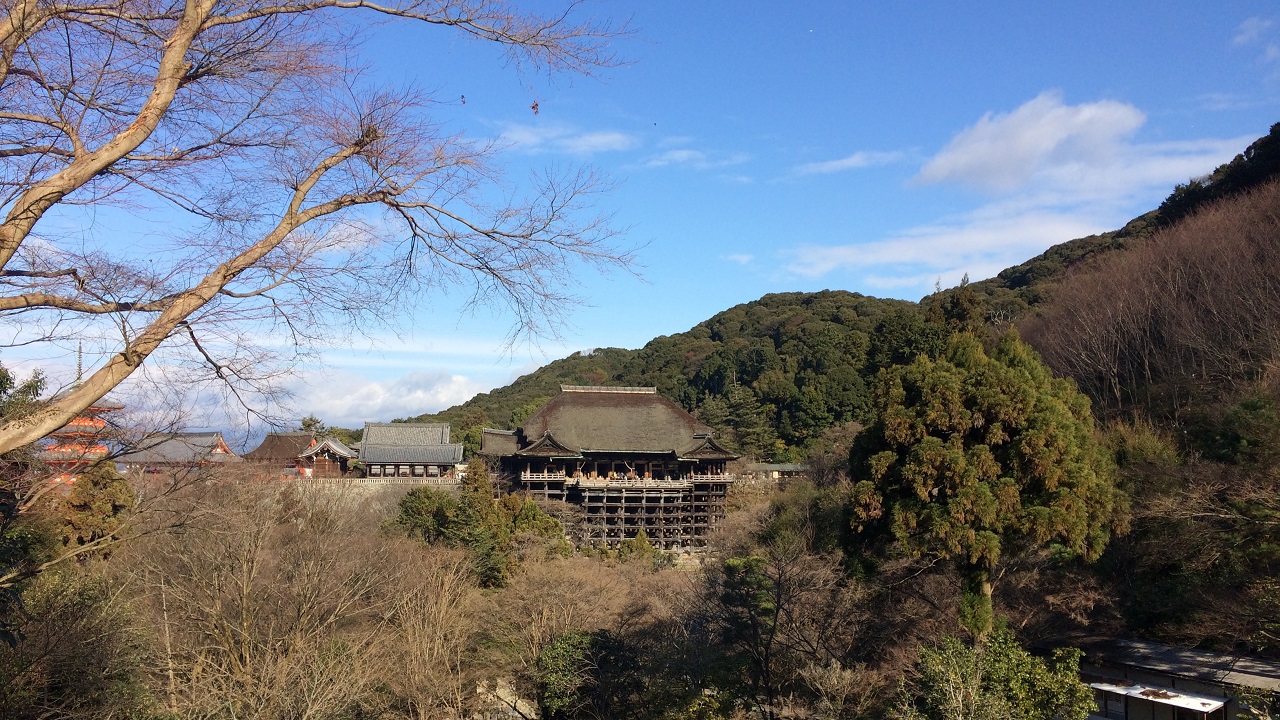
(638, 482)
(543, 477)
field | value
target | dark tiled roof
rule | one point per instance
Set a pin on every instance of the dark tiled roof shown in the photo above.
(181, 449)
(620, 419)
(281, 447)
(425, 443)
(424, 454)
(405, 434)
(331, 444)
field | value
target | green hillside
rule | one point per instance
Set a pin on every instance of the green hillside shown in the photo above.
(771, 374)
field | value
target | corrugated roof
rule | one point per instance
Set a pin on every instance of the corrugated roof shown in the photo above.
(1164, 696)
(616, 419)
(181, 449)
(1239, 670)
(405, 434)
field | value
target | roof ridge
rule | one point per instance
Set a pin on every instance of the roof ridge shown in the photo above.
(609, 389)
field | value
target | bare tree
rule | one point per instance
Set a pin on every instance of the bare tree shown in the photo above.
(1184, 319)
(299, 197)
(278, 602)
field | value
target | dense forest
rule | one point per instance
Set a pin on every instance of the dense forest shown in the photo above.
(1087, 445)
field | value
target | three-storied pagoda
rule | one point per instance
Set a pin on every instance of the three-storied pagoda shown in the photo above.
(632, 459)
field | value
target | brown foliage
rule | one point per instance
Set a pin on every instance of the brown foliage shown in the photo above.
(274, 602)
(1184, 317)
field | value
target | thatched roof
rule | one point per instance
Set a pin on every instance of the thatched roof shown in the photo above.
(611, 419)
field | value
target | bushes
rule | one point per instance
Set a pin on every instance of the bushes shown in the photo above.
(995, 680)
(490, 530)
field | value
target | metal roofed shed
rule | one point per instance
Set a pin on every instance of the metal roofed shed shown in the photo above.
(1134, 679)
(1202, 705)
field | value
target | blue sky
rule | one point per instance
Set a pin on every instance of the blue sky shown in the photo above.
(873, 147)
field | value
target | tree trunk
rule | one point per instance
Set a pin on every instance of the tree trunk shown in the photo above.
(976, 610)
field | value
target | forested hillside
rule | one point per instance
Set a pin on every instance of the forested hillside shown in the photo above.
(772, 374)
(1113, 472)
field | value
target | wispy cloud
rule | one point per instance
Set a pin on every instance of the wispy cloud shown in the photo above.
(1052, 172)
(696, 159)
(1251, 30)
(1257, 31)
(980, 244)
(567, 139)
(860, 159)
(740, 258)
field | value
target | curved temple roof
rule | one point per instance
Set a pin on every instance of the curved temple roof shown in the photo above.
(609, 419)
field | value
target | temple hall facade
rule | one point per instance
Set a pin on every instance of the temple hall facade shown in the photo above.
(631, 459)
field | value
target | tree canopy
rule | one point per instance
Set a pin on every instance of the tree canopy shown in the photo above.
(973, 456)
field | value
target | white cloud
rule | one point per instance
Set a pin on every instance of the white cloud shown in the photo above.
(683, 156)
(1003, 151)
(675, 141)
(740, 258)
(1251, 30)
(345, 399)
(1055, 172)
(860, 159)
(567, 139)
(594, 142)
(980, 244)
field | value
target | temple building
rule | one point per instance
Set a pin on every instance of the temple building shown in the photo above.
(281, 450)
(410, 452)
(179, 452)
(325, 458)
(630, 458)
(301, 454)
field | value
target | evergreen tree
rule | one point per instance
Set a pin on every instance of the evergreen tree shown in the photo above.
(971, 457)
(756, 436)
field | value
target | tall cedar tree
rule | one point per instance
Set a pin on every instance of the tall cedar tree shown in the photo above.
(974, 456)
